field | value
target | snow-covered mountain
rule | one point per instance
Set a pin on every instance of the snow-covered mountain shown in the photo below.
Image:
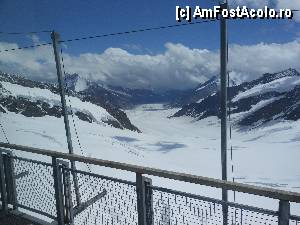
(270, 97)
(125, 98)
(182, 144)
(198, 93)
(38, 99)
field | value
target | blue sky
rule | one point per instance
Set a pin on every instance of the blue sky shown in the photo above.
(76, 18)
(73, 18)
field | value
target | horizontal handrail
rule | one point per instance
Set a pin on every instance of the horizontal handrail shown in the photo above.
(216, 201)
(216, 183)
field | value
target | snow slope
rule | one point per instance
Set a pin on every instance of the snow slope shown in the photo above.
(46, 95)
(280, 85)
(178, 144)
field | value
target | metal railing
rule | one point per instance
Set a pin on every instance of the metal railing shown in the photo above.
(48, 189)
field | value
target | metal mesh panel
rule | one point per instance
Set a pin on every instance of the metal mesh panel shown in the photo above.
(117, 200)
(242, 216)
(35, 188)
(118, 206)
(176, 208)
(170, 208)
(295, 220)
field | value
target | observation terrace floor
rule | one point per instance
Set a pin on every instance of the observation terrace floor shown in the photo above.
(16, 219)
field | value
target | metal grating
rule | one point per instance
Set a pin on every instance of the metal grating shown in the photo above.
(243, 216)
(295, 220)
(175, 209)
(111, 201)
(118, 206)
(35, 188)
(178, 208)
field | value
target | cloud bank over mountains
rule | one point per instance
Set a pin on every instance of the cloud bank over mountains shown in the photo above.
(177, 67)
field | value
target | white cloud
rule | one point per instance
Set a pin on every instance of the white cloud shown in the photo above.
(278, 4)
(290, 4)
(34, 38)
(36, 62)
(249, 62)
(177, 67)
(250, 3)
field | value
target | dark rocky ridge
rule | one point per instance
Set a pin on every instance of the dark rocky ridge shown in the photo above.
(124, 98)
(282, 105)
(200, 92)
(38, 108)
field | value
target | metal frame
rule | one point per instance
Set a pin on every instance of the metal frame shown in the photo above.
(223, 105)
(144, 188)
(10, 179)
(35, 211)
(4, 201)
(57, 175)
(55, 41)
(103, 177)
(216, 201)
(31, 218)
(211, 182)
(65, 212)
(144, 200)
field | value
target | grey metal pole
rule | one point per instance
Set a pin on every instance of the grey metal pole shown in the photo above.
(224, 61)
(55, 41)
(284, 213)
(58, 191)
(3, 186)
(144, 200)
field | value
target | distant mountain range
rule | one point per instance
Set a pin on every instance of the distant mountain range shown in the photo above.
(37, 99)
(120, 97)
(271, 97)
(127, 98)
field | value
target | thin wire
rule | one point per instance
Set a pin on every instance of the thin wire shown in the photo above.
(117, 34)
(76, 131)
(26, 47)
(230, 131)
(2, 128)
(72, 112)
(4, 132)
(233, 4)
(138, 30)
(23, 33)
(74, 125)
(112, 34)
(230, 136)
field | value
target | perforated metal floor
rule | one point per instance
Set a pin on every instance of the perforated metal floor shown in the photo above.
(10, 219)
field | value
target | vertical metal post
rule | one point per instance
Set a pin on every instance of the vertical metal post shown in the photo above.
(10, 179)
(69, 215)
(224, 61)
(3, 186)
(148, 201)
(284, 213)
(144, 200)
(57, 175)
(55, 41)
